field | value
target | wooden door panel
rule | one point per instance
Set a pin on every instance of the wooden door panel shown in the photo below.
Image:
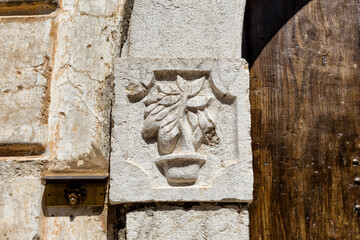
(305, 100)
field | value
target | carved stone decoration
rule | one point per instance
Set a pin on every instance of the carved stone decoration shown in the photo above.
(176, 114)
(181, 131)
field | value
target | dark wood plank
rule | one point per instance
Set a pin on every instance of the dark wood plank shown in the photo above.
(305, 106)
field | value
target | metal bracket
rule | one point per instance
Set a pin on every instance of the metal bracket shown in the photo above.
(75, 190)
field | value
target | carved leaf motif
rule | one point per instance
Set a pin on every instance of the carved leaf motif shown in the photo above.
(150, 128)
(151, 125)
(182, 83)
(161, 117)
(197, 103)
(154, 119)
(170, 100)
(154, 98)
(168, 135)
(206, 125)
(149, 109)
(193, 120)
(168, 89)
(175, 111)
(197, 138)
(191, 88)
(157, 109)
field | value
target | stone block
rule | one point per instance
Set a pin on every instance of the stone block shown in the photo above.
(195, 224)
(181, 131)
(79, 116)
(20, 199)
(25, 70)
(185, 29)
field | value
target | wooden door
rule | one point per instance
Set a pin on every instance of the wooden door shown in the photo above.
(305, 103)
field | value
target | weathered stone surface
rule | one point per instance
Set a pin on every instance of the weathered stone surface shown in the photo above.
(158, 154)
(74, 224)
(55, 76)
(25, 70)
(20, 199)
(81, 94)
(197, 223)
(79, 120)
(185, 29)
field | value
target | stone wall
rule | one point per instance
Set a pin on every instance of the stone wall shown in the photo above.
(55, 78)
(57, 109)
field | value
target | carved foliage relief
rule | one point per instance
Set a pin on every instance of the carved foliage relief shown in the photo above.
(176, 114)
(181, 131)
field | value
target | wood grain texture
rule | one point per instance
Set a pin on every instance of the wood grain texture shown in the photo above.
(305, 106)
